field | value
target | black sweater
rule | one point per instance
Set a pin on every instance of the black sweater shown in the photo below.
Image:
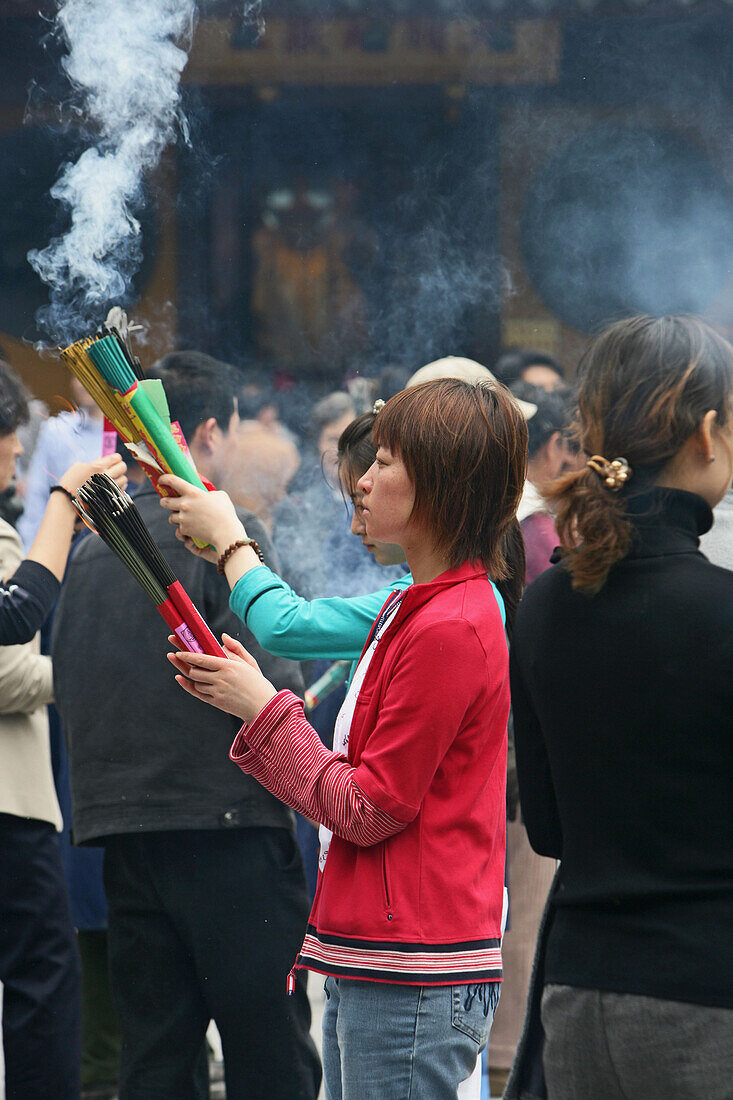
(623, 714)
(25, 601)
(145, 756)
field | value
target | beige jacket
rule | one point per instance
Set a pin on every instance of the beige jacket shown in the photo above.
(26, 686)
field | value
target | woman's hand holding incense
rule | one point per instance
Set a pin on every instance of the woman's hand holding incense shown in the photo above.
(234, 683)
(208, 517)
(53, 538)
(76, 475)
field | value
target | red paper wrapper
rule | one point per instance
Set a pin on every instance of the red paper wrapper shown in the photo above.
(189, 613)
(180, 628)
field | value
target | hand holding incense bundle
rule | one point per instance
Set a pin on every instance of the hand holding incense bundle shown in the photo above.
(235, 685)
(113, 515)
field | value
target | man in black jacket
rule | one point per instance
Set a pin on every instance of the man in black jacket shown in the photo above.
(205, 885)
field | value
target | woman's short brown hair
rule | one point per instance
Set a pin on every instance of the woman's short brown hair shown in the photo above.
(645, 385)
(464, 447)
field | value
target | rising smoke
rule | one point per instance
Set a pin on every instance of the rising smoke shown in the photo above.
(439, 278)
(124, 63)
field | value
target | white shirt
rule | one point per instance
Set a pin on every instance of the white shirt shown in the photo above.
(345, 716)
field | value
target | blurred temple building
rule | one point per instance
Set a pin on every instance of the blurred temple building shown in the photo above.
(386, 183)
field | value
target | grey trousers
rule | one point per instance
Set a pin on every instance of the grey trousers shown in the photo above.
(611, 1046)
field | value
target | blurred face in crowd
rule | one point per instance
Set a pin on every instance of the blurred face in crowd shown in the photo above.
(328, 442)
(552, 459)
(10, 449)
(539, 374)
(82, 399)
(212, 447)
(225, 442)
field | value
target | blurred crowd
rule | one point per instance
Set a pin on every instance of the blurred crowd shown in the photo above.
(180, 879)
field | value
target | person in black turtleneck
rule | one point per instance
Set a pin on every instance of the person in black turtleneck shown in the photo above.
(622, 692)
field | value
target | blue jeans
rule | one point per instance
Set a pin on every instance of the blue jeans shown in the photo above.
(404, 1042)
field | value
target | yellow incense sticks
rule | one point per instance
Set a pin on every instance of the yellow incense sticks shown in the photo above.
(108, 400)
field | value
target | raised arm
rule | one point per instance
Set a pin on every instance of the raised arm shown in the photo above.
(26, 598)
(28, 595)
(25, 676)
(51, 545)
(283, 622)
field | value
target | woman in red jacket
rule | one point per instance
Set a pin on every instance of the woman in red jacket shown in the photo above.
(406, 922)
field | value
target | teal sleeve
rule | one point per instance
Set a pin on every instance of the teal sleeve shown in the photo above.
(500, 601)
(287, 625)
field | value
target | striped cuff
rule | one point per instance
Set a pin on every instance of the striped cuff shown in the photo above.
(253, 735)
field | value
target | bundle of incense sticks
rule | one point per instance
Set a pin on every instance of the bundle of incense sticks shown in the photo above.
(111, 513)
(105, 397)
(134, 405)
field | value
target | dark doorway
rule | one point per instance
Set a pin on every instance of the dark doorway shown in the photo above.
(336, 231)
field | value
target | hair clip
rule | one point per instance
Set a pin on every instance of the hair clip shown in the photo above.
(615, 474)
(378, 406)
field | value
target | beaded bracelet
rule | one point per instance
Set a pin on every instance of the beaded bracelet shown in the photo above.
(235, 546)
(61, 489)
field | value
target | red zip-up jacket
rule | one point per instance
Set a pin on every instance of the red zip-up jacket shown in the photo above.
(413, 884)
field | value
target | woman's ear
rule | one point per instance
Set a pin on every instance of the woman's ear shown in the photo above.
(704, 434)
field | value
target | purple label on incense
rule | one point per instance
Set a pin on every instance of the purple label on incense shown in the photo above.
(188, 639)
(109, 442)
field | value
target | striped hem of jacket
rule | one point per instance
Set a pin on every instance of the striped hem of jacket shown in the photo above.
(405, 963)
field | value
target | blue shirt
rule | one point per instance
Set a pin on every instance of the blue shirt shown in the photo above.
(62, 441)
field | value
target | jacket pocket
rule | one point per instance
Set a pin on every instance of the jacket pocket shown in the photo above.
(386, 891)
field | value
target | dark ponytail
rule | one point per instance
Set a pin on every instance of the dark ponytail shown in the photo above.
(645, 385)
